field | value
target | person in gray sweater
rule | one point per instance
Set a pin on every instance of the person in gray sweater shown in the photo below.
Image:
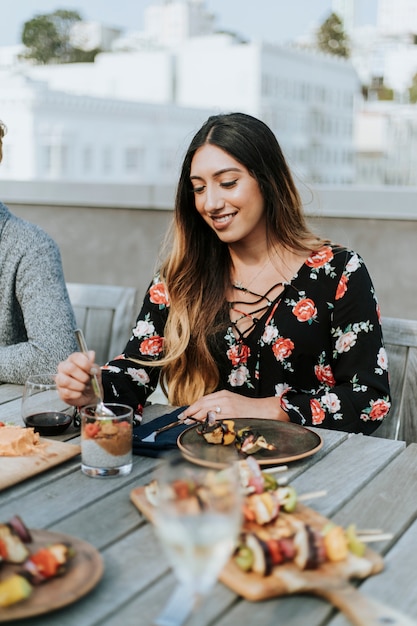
(36, 318)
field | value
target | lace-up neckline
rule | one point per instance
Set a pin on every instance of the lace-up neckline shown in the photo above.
(256, 309)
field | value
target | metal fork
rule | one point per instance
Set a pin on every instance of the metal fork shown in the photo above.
(101, 408)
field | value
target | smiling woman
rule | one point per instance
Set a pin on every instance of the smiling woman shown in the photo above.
(251, 314)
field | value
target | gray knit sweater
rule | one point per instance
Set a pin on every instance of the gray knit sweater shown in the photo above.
(36, 318)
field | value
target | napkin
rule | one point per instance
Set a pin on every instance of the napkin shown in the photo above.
(164, 441)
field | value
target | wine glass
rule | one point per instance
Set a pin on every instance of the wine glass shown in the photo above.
(198, 520)
(42, 408)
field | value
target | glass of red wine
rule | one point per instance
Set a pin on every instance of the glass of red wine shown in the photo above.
(42, 408)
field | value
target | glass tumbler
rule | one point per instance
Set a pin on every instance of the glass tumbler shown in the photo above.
(106, 442)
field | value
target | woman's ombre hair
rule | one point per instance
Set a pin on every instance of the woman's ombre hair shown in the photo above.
(197, 269)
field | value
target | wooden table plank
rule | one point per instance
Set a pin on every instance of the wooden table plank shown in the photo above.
(388, 502)
(12, 412)
(152, 601)
(144, 607)
(10, 392)
(103, 521)
(346, 469)
(331, 440)
(43, 506)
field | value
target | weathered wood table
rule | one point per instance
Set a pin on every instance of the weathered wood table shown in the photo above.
(369, 481)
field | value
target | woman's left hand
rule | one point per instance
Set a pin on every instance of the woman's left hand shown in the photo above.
(229, 405)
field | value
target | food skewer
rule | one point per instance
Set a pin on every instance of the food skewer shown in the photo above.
(276, 469)
(374, 537)
(312, 495)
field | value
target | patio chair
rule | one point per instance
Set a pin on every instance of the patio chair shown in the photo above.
(106, 315)
(400, 336)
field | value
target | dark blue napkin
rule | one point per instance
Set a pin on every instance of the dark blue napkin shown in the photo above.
(164, 441)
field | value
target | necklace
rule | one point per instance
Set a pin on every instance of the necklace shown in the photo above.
(239, 285)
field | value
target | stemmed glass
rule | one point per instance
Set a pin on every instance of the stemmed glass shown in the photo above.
(42, 407)
(198, 520)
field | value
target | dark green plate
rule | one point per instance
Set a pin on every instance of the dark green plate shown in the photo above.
(292, 442)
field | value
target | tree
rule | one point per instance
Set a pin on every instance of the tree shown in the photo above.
(331, 37)
(42, 40)
(63, 22)
(48, 39)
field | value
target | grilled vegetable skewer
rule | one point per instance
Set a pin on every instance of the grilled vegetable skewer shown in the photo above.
(13, 539)
(14, 589)
(36, 568)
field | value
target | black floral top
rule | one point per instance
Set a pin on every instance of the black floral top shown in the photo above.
(318, 347)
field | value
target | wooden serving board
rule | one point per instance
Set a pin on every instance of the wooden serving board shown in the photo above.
(15, 469)
(330, 580)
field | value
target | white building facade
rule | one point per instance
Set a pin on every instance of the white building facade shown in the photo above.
(387, 53)
(306, 98)
(397, 18)
(57, 136)
(385, 132)
(79, 117)
(386, 141)
(170, 23)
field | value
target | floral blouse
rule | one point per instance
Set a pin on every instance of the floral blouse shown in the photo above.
(318, 347)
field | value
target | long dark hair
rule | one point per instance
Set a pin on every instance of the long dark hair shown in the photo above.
(197, 270)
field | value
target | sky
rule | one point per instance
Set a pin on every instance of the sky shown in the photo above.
(275, 21)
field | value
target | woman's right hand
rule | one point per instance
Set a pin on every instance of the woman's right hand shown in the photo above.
(74, 379)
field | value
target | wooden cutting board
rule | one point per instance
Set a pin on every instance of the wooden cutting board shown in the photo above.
(18, 468)
(330, 580)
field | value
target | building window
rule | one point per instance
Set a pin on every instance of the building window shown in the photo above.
(55, 160)
(266, 85)
(133, 159)
(63, 159)
(87, 159)
(167, 160)
(6, 164)
(47, 159)
(107, 160)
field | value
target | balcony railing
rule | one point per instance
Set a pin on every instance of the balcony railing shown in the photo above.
(111, 234)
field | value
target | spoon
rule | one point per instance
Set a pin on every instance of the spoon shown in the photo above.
(101, 408)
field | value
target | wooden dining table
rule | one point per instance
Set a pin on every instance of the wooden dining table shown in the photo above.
(369, 481)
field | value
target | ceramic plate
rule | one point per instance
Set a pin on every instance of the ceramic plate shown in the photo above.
(84, 571)
(291, 441)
